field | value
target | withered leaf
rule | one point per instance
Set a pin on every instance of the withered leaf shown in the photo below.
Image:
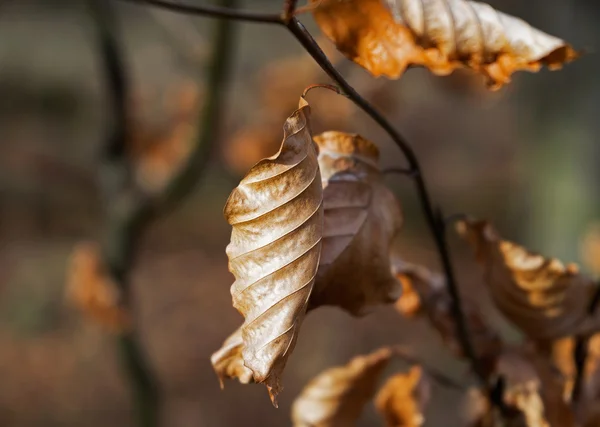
(336, 397)
(403, 399)
(91, 289)
(228, 361)
(362, 216)
(542, 296)
(526, 386)
(277, 217)
(430, 296)
(441, 35)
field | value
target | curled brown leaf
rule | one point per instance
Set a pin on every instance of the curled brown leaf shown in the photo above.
(542, 296)
(362, 216)
(277, 217)
(403, 399)
(91, 289)
(337, 396)
(440, 35)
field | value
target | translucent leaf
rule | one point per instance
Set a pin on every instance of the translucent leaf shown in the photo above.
(441, 35)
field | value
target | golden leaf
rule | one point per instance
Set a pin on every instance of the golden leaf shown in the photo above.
(441, 35)
(431, 296)
(277, 217)
(403, 398)
(228, 362)
(92, 290)
(362, 216)
(336, 397)
(542, 296)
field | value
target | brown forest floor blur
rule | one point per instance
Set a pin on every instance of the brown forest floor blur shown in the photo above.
(56, 369)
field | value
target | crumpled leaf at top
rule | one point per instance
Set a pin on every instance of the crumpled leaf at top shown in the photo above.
(277, 217)
(543, 297)
(337, 396)
(228, 361)
(91, 289)
(441, 35)
(429, 295)
(362, 216)
(403, 398)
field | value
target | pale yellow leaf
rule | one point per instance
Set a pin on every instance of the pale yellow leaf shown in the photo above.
(441, 35)
(277, 217)
(362, 216)
(337, 396)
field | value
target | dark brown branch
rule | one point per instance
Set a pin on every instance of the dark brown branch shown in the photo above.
(114, 174)
(214, 11)
(434, 220)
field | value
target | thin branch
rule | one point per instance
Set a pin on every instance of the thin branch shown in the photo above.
(323, 86)
(214, 11)
(580, 352)
(434, 220)
(440, 377)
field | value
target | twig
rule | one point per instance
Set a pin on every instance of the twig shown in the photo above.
(129, 212)
(433, 217)
(440, 377)
(580, 353)
(214, 11)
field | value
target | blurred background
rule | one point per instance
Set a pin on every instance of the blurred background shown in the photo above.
(526, 157)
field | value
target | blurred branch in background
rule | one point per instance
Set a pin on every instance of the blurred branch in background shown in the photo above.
(130, 209)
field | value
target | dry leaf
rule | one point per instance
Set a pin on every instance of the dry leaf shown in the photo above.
(431, 296)
(403, 398)
(362, 216)
(542, 296)
(277, 217)
(441, 35)
(336, 397)
(159, 151)
(92, 290)
(523, 405)
(228, 362)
